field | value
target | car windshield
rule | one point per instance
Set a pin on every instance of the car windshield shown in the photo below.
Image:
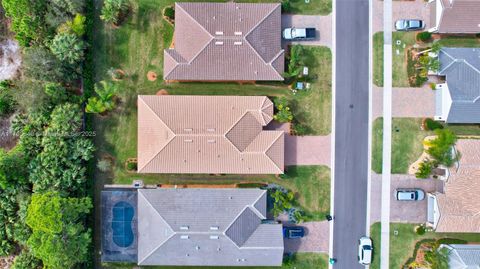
(367, 247)
(414, 24)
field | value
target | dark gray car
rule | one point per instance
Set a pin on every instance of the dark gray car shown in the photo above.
(409, 25)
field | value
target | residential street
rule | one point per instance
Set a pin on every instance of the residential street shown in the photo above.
(351, 129)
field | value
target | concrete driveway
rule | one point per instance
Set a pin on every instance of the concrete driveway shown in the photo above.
(315, 239)
(407, 102)
(402, 211)
(323, 24)
(417, 9)
(304, 150)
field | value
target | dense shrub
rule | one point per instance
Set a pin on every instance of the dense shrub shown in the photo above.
(26, 261)
(132, 166)
(424, 36)
(40, 64)
(283, 112)
(7, 103)
(169, 12)
(68, 48)
(26, 20)
(104, 101)
(59, 237)
(74, 26)
(432, 125)
(114, 10)
(420, 230)
(282, 201)
(424, 169)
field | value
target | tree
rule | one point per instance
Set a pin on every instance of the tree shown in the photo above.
(13, 173)
(7, 104)
(26, 261)
(68, 48)
(27, 21)
(105, 100)
(40, 64)
(58, 237)
(58, 164)
(441, 147)
(74, 26)
(113, 10)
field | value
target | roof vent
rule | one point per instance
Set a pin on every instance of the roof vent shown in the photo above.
(218, 43)
(197, 247)
(188, 140)
(214, 236)
(214, 228)
(210, 129)
(184, 227)
(238, 33)
(184, 237)
(188, 129)
(218, 249)
(218, 33)
(211, 140)
(237, 43)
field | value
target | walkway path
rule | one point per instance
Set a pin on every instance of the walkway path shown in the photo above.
(401, 10)
(315, 239)
(401, 211)
(408, 102)
(323, 24)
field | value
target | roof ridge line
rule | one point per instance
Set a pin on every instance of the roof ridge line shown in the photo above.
(201, 26)
(158, 213)
(166, 125)
(275, 140)
(275, 58)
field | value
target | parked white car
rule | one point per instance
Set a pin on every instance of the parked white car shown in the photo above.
(409, 194)
(365, 250)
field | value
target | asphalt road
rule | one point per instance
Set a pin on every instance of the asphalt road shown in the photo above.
(351, 130)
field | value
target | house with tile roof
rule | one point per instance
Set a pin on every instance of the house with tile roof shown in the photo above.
(457, 208)
(206, 227)
(225, 42)
(462, 256)
(208, 135)
(454, 16)
(457, 100)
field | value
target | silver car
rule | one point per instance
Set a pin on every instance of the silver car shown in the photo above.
(365, 250)
(409, 194)
(409, 25)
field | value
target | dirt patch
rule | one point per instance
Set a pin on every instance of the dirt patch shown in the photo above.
(162, 92)
(7, 139)
(151, 76)
(6, 262)
(10, 59)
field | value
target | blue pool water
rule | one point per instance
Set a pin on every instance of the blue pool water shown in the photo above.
(123, 213)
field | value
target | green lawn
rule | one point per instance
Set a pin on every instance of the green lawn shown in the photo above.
(406, 143)
(314, 7)
(299, 261)
(402, 245)
(399, 63)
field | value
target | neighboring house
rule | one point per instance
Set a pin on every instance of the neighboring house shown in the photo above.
(206, 227)
(462, 256)
(458, 98)
(455, 16)
(225, 42)
(208, 135)
(457, 209)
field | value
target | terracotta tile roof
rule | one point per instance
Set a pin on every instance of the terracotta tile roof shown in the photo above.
(459, 206)
(225, 41)
(460, 16)
(208, 134)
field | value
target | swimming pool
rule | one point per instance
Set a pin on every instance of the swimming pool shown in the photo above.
(122, 229)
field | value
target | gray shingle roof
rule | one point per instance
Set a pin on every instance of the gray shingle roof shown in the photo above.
(463, 256)
(461, 66)
(225, 41)
(220, 227)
